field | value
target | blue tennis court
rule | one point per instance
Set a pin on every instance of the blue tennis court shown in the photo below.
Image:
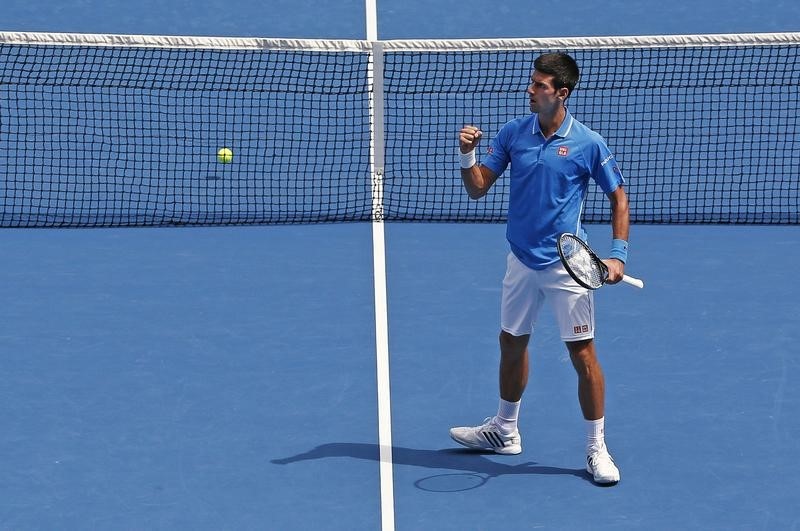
(225, 377)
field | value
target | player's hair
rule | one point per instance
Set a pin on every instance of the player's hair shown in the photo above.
(562, 67)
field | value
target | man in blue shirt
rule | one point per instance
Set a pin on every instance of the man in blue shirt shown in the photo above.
(552, 156)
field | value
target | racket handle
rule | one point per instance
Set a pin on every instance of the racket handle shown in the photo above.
(632, 281)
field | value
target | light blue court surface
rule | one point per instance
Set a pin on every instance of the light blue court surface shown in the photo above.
(224, 377)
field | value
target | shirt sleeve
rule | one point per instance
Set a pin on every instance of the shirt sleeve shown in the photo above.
(498, 153)
(603, 166)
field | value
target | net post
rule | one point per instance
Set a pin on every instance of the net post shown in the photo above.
(377, 142)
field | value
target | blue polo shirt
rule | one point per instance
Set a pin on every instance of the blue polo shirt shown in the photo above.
(549, 182)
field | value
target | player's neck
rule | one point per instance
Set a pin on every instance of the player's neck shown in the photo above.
(550, 122)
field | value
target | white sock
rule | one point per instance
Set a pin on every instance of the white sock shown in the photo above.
(507, 414)
(595, 434)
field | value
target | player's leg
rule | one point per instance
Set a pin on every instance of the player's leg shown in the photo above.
(591, 395)
(519, 307)
(574, 310)
(520, 304)
(591, 382)
(573, 307)
(513, 365)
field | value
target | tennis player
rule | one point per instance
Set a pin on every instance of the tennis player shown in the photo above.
(552, 157)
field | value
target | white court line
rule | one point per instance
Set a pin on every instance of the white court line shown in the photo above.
(382, 364)
(379, 272)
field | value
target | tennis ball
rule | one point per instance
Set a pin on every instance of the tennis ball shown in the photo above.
(225, 155)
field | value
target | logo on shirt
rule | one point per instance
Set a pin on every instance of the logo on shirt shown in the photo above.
(563, 151)
(489, 150)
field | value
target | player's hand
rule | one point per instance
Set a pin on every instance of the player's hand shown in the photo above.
(616, 269)
(469, 138)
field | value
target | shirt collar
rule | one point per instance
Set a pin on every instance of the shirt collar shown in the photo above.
(563, 130)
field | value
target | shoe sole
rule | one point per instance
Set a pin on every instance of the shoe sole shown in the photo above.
(609, 483)
(506, 450)
(605, 483)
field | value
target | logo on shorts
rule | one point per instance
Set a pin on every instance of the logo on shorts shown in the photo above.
(580, 329)
(563, 151)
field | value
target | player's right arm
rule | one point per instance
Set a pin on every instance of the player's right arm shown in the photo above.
(477, 179)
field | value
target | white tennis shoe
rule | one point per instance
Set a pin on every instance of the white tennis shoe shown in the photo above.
(601, 466)
(488, 436)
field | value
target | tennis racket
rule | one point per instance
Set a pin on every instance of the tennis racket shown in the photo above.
(584, 266)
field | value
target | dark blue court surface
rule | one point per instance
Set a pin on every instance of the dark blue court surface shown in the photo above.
(701, 412)
(149, 377)
(412, 19)
(225, 378)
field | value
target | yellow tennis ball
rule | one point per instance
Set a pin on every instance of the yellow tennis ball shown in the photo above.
(225, 155)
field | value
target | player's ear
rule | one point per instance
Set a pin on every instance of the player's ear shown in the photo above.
(563, 93)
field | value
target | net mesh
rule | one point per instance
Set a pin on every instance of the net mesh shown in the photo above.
(103, 134)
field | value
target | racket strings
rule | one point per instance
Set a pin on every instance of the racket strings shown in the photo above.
(582, 264)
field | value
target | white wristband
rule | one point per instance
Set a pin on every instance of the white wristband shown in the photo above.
(468, 159)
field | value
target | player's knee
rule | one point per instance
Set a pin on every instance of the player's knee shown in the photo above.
(583, 356)
(513, 345)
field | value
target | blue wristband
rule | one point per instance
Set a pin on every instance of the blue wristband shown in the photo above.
(619, 250)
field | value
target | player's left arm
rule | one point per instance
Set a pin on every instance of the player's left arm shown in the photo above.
(620, 228)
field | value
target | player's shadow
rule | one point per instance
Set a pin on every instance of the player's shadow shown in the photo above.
(463, 461)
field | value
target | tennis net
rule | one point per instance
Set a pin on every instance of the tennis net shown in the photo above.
(113, 130)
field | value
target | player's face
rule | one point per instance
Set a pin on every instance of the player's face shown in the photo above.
(543, 96)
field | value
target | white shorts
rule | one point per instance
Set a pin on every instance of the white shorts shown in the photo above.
(526, 289)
